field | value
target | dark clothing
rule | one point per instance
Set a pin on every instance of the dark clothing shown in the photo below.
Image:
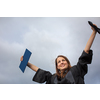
(74, 76)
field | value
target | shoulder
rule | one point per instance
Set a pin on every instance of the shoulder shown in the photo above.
(75, 70)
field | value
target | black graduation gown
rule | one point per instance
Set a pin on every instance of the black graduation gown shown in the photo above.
(74, 76)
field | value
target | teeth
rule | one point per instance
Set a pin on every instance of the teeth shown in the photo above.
(62, 65)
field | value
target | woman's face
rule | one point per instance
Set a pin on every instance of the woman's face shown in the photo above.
(62, 64)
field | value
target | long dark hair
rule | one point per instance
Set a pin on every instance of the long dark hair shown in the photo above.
(62, 74)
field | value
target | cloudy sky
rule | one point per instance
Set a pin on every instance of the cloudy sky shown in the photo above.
(46, 38)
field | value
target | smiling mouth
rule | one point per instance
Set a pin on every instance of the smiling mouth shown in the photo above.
(63, 66)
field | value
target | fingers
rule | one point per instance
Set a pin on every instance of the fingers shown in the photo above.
(21, 59)
(93, 28)
(95, 25)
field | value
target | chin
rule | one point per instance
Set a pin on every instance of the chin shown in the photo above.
(63, 68)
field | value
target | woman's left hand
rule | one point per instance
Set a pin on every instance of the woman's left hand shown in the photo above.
(93, 28)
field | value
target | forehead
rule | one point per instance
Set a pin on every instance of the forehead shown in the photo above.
(60, 58)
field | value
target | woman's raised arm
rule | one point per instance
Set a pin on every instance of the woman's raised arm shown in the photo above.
(33, 67)
(90, 41)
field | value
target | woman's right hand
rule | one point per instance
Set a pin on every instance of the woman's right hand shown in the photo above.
(21, 59)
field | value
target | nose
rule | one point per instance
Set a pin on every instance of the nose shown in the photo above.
(61, 62)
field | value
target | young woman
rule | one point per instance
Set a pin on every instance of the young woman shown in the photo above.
(65, 73)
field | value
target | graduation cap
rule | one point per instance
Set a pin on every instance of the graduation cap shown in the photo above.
(26, 57)
(95, 27)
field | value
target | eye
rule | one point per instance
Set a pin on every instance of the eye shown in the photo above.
(58, 61)
(63, 60)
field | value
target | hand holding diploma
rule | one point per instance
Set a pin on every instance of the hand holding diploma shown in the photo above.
(24, 62)
(21, 59)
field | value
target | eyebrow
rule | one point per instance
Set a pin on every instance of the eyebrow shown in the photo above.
(61, 59)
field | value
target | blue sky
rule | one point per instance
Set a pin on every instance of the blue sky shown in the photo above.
(46, 38)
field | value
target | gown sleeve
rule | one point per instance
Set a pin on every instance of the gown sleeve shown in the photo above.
(42, 76)
(84, 59)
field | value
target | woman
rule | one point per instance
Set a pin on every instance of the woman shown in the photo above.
(65, 73)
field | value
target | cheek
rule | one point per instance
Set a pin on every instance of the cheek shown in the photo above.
(66, 63)
(57, 66)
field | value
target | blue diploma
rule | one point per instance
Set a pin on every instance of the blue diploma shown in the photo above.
(26, 57)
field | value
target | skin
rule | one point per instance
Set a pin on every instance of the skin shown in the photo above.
(33, 67)
(90, 41)
(63, 64)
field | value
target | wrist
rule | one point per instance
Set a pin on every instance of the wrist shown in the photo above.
(94, 31)
(28, 64)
